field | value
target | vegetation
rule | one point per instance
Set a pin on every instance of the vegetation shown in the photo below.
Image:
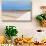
(41, 17)
(11, 31)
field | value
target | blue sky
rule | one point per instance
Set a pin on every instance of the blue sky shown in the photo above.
(16, 5)
(17, 0)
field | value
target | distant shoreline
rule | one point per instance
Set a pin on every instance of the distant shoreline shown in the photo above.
(17, 11)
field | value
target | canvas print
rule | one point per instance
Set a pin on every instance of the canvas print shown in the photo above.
(16, 10)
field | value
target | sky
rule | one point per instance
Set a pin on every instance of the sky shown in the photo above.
(17, 0)
(16, 5)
